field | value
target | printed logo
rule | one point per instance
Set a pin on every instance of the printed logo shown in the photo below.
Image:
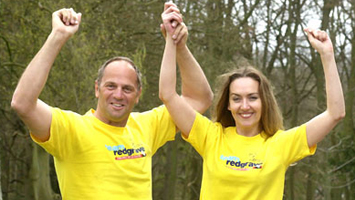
(122, 153)
(235, 163)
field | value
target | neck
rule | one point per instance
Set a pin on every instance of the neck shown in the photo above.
(117, 123)
(248, 131)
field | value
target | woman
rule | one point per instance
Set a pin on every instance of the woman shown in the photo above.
(245, 151)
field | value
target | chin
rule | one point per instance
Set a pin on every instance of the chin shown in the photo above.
(249, 125)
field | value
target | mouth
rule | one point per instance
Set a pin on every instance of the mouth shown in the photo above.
(117, 105)
(245, 115)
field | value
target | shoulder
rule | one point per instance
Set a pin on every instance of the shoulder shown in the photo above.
(297, 129)
(158, 109)
(60, 112)
(154, 113)
(205, 121)
(292, 133)
(68, 116)
(203, 124)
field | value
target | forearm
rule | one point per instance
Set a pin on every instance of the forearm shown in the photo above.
(167, 81)
(195, 87)
(322, 124)
(181, 112)
(35, 75)
(334, 91)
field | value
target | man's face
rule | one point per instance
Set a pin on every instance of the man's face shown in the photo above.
(117, 93)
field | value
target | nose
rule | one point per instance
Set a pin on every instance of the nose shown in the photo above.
(245, 104)
(118, 93)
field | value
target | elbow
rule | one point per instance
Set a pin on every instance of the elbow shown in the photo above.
(161, 96)
(19, 106)
(210, 99)
(338, 116)
(207, 101)
(16, 106)
(164, 97)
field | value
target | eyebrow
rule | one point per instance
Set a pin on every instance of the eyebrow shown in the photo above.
(109, 82)
(254, 93)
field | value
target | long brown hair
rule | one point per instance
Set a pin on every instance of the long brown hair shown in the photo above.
(271, 117)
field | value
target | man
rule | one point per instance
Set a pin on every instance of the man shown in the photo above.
(106, 153)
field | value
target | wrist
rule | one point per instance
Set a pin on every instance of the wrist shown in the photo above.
(182, 47)
(60, 35)
(169, 38)
(327, 54)
(58, 38)
(182, 51)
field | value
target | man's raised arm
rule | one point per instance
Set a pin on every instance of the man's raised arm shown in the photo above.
(35, 113)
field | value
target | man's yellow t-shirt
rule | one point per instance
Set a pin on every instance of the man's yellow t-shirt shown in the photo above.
(96, 161)
(237, 167)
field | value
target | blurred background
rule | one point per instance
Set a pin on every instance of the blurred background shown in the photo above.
(223, 34)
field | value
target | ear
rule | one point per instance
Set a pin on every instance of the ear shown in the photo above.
(229, 108)
(96, 89)
(138, 95)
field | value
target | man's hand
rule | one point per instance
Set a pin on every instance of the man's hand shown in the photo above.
(178, 28)
(171, 18)
(179, 36)
(66, 21)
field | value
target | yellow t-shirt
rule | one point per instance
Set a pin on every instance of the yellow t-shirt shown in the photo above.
(237, 167)
(96, 161)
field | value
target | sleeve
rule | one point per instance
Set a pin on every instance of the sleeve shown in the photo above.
(161, 126)
(204, 134)
(292, 144)
(60, 130)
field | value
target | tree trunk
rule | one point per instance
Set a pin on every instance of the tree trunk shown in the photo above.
(39, 174)
(0, 182)
(170, 171)
(293, 8)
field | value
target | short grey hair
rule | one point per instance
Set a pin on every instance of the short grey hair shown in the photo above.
(119, 58)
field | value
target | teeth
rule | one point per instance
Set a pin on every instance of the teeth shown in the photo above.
(118, 105)
(246, 115)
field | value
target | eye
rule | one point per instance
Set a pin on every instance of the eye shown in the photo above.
(253, 98)
(236, 98)
(110, 86)
(128, 89)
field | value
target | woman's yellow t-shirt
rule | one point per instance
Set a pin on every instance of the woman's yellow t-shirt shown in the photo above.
(237, 167)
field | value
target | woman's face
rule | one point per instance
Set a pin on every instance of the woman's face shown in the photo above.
(245, 105)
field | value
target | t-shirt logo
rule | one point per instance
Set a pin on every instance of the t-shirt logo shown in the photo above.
(234, 162)
(122, 153)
